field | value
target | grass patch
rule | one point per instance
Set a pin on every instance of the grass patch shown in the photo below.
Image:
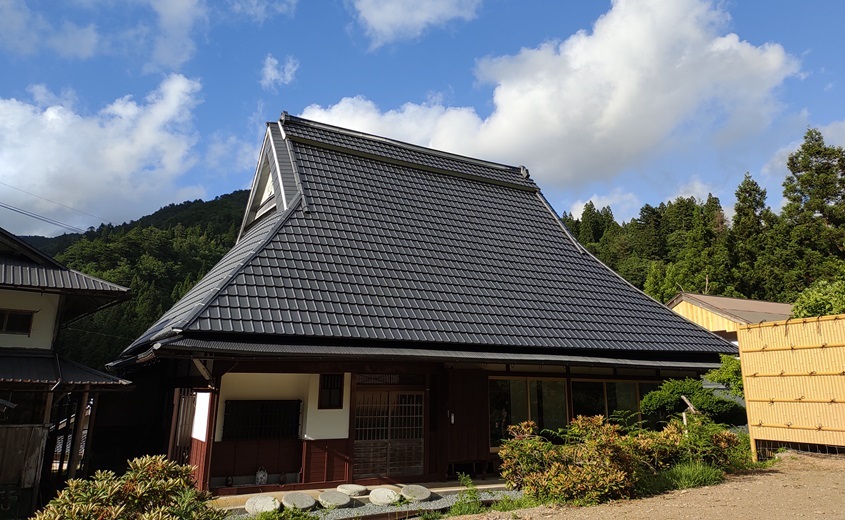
(511, 504)
(285, 514)
(687, 475)
(469, 500)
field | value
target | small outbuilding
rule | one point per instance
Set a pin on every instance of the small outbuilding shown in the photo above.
(723, 315)
(47, 403)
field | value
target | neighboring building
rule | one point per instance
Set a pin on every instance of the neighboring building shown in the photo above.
(386, 312)
(723, 315)
(41, 394)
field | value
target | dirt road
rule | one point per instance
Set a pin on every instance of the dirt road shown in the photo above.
(797, 486)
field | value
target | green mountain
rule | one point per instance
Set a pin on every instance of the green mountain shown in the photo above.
(159, 257)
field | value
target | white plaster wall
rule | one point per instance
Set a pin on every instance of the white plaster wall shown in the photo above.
(247, 386)
(201, 410)
(326, 424)
(46, 308)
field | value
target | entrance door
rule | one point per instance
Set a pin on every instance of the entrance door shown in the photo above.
(389, 438)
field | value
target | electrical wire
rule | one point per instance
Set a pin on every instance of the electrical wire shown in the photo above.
(103, 219)
(41, 218)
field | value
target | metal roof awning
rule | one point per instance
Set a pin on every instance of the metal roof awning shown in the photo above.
(243, 349)
(47, 368)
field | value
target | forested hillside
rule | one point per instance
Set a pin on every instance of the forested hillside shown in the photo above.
(689, 245)
(685, 244)
(159, 257)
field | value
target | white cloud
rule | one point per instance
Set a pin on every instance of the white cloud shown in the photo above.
(121, 162)
(24, 32)
(697, 188)
(386, 21)
(230, 154)
(73, 41)
(624, 205)
(174, 44)
(647, 79)
(261, 10)
(273, 76)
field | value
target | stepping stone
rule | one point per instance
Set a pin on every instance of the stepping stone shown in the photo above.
(415, 493)
(334, 499)
(298, 500)
(353, 490)
(261, 504)
(383, 497)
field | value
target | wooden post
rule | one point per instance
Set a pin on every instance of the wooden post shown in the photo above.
(78, 424)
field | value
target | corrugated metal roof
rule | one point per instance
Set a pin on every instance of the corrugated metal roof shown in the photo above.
(36, 367)
(20, 272)
(23, 267)
(387, 251)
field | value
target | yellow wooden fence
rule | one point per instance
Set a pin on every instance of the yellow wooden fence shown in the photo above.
(794, 377)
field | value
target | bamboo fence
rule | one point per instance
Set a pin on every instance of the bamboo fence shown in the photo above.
(793, 372)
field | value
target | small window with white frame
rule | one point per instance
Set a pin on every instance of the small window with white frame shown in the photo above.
(16, 322)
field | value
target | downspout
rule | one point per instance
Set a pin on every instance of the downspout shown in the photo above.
(58, 371)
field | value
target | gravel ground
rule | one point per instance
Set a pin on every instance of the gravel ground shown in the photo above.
(362, 510)
(799, 485)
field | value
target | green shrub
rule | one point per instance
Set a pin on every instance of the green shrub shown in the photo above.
(429, 515)
(596, 462)
(285, 514)
(650, 484)
(469, 501)
(152, 487)
(664, 403)
(729, 374)
(693, 474)
(523, 454)
(512, 504)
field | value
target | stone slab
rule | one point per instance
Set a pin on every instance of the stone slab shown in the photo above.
(383, 497)
(353, 490)
(334, 499)
(415, 493)
(261, 504)
(299, 500)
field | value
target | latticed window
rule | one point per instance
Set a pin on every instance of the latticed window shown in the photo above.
(261, 420)
(331, 391)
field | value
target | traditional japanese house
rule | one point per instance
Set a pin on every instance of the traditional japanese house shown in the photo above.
(386, 312)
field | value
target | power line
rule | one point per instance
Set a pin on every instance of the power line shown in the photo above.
(41, 218)
(102, 219)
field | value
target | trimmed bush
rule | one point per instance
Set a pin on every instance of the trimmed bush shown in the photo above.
(152, 487)
(596, 462)
(664, 403)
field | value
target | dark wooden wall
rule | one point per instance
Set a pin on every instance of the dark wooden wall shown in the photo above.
(326, 460)
(239, 458)
(468, 438)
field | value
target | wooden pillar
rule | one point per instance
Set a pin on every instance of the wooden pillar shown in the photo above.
(78, 425)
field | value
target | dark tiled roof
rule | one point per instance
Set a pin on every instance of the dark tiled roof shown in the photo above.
(387, 149)
(35, 367)
(396, 253)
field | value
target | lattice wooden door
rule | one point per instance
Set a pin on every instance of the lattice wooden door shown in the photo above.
(389, 438)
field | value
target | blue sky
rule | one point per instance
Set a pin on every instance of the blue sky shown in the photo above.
(110, 109)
